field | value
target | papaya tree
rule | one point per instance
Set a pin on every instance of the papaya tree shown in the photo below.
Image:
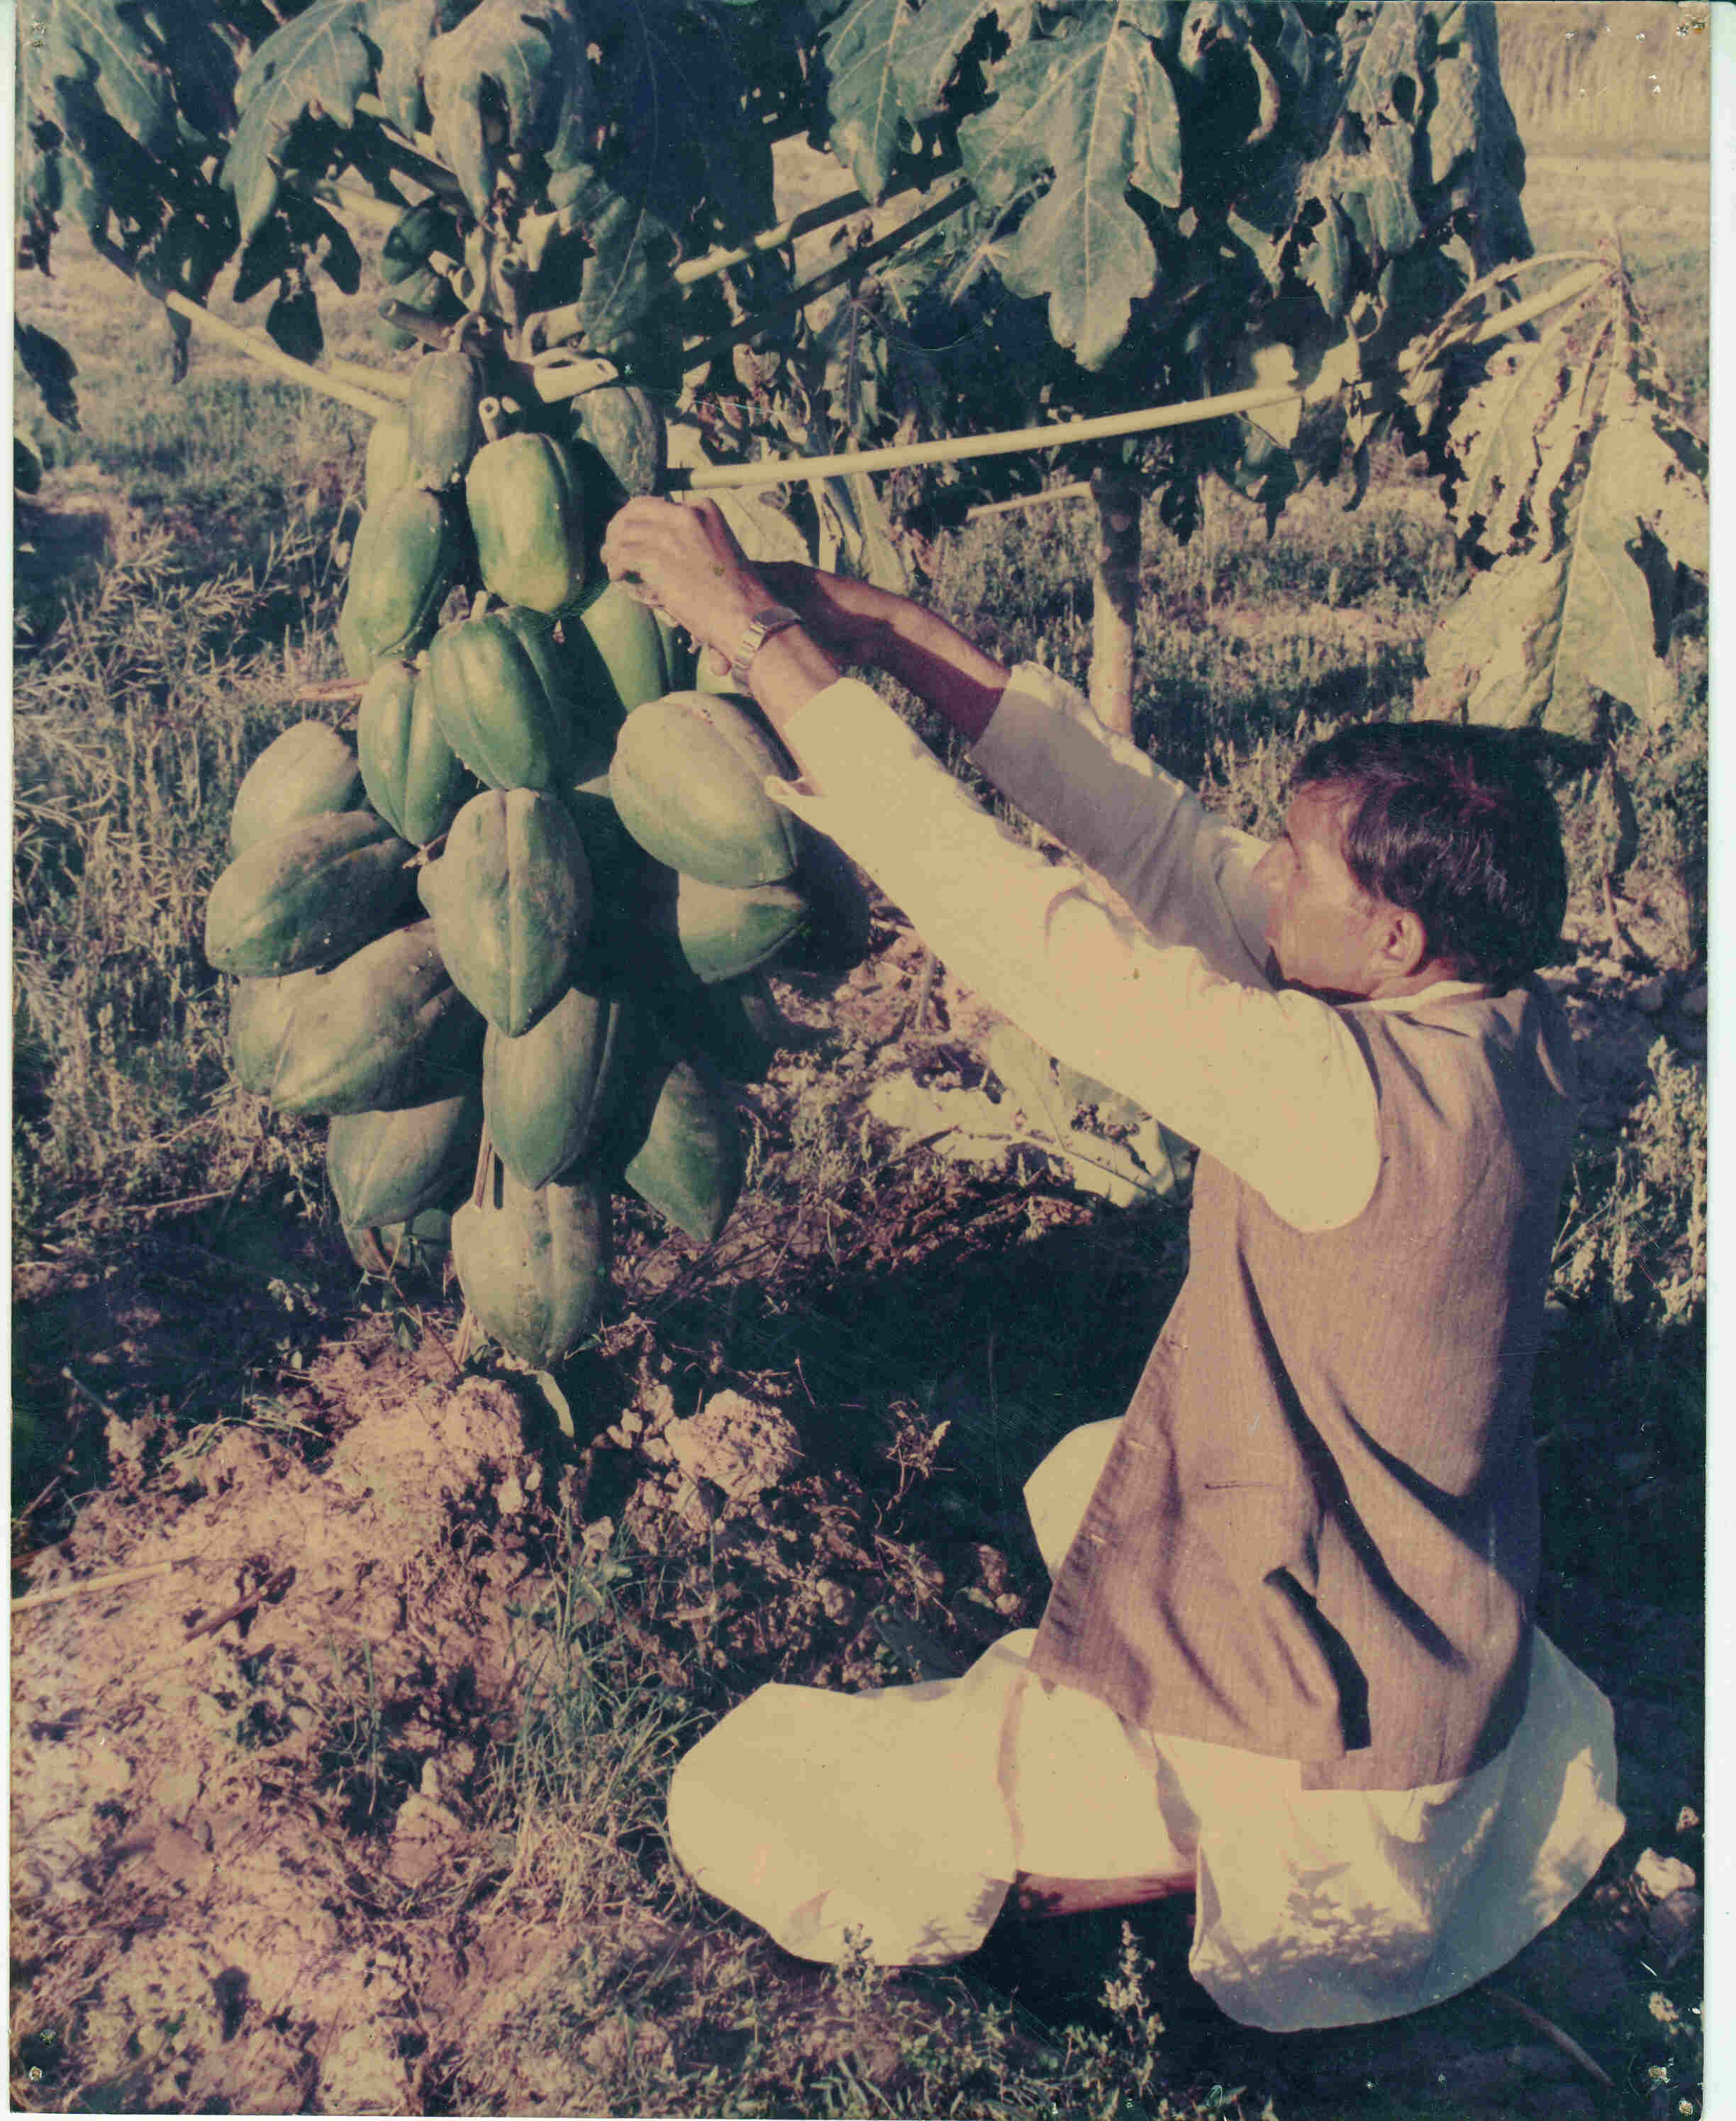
(1144, 241)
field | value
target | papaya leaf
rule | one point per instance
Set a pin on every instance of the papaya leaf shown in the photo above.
(95, 42)
(856, 530)
(1096, 107)
(293, 322)
(519, 58)
(51, 368)
(1585, 610)
(926, 53)
(1271, 366)
(402, 31)
(1470, 154)
(204, 67)
(1497, 441)
(861, 50)
(316, 65)
(1386, 80)
(675, 95)
(628, 271)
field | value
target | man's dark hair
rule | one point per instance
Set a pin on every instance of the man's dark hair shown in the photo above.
(1457, 826)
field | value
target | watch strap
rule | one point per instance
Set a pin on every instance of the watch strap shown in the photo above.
(771, 618)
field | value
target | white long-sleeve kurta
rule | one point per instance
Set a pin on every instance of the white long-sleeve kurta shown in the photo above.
(903, 1813)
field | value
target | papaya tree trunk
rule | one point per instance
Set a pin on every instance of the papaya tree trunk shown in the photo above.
(1114, 598)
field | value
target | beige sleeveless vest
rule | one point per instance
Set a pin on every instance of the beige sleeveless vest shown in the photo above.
(1317, 1536)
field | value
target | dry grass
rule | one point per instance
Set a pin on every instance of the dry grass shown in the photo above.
(1612, 76)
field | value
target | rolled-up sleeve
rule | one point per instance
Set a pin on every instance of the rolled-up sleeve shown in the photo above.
(1273, 1084)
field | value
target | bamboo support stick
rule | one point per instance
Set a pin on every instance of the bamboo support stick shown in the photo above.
(701, 351)
(775, 471)
(1537, 305)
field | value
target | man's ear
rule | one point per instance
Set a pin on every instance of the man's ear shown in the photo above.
(1401, 942)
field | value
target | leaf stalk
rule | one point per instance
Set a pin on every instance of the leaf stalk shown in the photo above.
(700, 353)
(821, 215)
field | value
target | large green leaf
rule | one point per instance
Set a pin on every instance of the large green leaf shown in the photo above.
(402, 31)
(315, 65)
(51, 368)
(523, 59)
(861, 50)
(1470, 146)
(1095, 107)
(96, 42)
(628, 269)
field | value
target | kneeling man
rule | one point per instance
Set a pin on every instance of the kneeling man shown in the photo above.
(1289, 1662)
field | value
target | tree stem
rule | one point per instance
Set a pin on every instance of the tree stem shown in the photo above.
(1114, 598)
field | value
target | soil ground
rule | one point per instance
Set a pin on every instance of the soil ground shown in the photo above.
(256, 1862)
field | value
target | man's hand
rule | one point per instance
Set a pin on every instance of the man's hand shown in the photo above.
(683, 559)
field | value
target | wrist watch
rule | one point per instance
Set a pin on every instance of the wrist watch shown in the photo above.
(771, 618)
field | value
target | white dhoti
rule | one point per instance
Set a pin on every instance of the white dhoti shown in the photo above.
(901, 1816)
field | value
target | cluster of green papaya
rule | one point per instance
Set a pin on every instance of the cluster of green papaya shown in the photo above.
(511, 935)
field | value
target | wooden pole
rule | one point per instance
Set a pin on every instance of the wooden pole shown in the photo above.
(774, 471)
(777, 471)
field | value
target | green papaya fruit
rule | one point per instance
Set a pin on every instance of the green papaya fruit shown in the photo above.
(428, 292)
(615, 651)
(406, 552)
(386, 465)
(388, 1167)
(309, 771)
(735, 1024)
(384, 1028)
(532, 1262)
(722, 932)
(499, 688)
(359, 660)
(510, 898)
(549, 1094)
(681, 660)
(307, 896)
(625, 428)
(260, 1011)
(527, 509)
(419, 1248)
(839, 931)
(618, 861)
(689, 1164)
(441, 414)
(422, 231)
(412, 776)
(688, 778)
